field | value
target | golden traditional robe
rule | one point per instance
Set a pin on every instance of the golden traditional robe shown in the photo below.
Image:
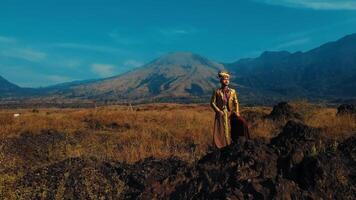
(222, 127)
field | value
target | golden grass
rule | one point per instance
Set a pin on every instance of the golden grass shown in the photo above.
(333, 125)
(120, 133)
(130, 134)
(161, 130)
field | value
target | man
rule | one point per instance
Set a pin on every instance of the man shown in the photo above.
(225, 104)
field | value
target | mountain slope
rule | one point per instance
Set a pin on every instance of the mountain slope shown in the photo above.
(7, 88)
(327, 72)
(323, 72)
(177, 75)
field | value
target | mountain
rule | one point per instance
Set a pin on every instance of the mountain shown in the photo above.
(328, 71)
(63, 88)
(7, 88)
(176, 76)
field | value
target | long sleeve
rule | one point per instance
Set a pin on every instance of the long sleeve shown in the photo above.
(236, 102)
(213, 102)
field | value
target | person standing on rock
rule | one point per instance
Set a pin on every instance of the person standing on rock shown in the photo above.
(225, 103)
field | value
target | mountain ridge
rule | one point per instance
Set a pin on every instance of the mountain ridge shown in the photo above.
(7, 88)
(187, 76)
(303, 73)
(178, 75)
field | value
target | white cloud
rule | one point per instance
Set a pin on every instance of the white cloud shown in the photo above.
(24, 53)
(133, 63)
(103, 70)
(314, 4)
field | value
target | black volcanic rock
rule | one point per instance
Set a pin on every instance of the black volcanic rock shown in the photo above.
(90, 178)
(327, 175)
(284, 111)
(314, 162)
(74, 178)
(298, 164)
(293, 144)
(144, 174)
(35, 148)
(346, 109)
(246, 169)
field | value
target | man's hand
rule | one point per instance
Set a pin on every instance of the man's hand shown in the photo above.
(238, 114)
(221, 113)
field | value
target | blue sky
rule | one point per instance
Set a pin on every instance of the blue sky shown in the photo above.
(48, 42)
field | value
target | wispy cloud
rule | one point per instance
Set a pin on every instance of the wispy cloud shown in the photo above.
(88, 47)
(57, 78)
(71, 63)
(131, 63)
(292, 43)
(176, 31)
(24, 53)
(14, 48)
(301, 38)
(4, 39)
(103, 70)
(314, 4)
(320, 29)
(124, 39)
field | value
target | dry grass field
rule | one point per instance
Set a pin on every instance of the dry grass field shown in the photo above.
(39, 137)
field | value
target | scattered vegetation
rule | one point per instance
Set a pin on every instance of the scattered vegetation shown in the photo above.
(42, 137)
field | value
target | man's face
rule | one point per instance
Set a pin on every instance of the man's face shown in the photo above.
(225, 81)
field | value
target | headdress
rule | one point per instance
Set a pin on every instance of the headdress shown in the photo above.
(223, 73)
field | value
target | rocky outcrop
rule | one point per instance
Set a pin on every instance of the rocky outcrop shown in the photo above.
(346, 109)
(90, 178)
(299, 163)
(284, 111)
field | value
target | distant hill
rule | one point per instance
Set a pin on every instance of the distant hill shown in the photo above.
(7, 88)
(326, 73)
